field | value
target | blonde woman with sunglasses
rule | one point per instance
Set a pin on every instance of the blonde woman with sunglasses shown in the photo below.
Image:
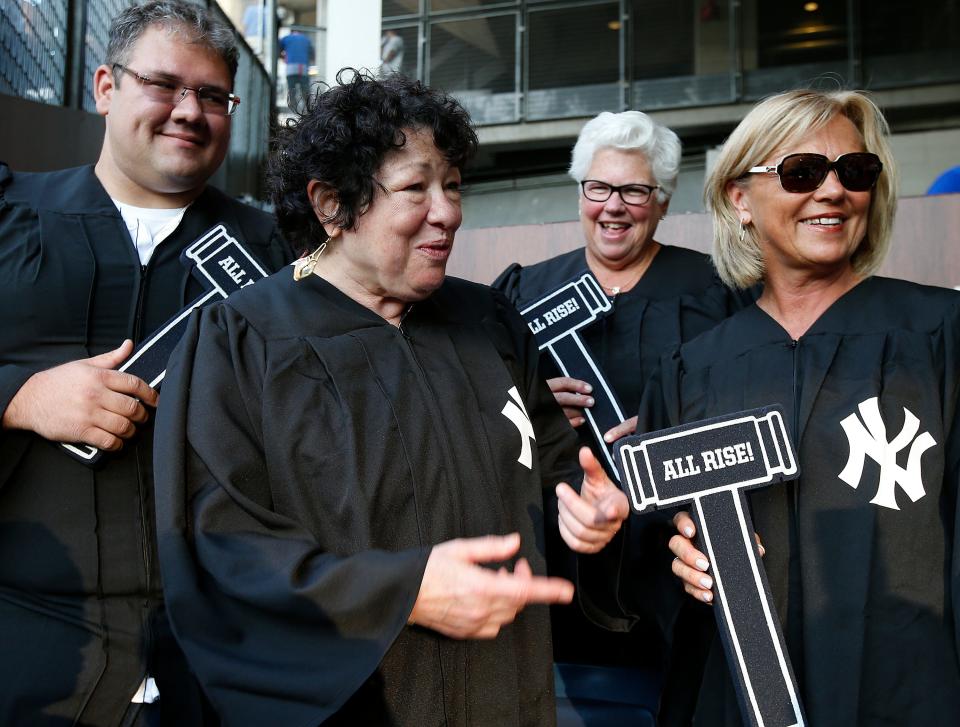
(861, 551)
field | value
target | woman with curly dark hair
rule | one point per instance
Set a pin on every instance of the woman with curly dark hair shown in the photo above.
(344, 446)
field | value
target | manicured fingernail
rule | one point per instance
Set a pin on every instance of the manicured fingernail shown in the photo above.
(587, 388)
(688, 531)
(608, 438)
(707, 596)
(706, 582)
(589, 401)
(702, 564)
(763, 551)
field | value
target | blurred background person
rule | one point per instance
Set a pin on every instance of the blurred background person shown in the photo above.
(391, 53)
(861, 551)
(296, 50)
(349, 443)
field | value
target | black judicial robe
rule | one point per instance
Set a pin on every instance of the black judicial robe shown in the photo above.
(309, 455)
(679, 297)
(861, 551)
(81, 620)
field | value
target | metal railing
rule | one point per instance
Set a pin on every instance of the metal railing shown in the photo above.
(526, 60)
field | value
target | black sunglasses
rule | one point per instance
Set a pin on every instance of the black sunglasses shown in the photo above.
(857, 172)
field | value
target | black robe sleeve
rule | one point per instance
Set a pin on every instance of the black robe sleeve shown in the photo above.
(280, 631)
(631, 579)
(556, 439)
(508, 282)
(13, 224)
(596, 576)
(949, 345)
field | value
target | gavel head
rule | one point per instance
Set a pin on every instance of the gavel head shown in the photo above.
(675, 466)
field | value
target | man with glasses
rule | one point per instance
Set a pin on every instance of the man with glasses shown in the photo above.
(89, 264)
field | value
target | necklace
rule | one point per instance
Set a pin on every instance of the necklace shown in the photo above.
(640, 267)
(614, 290)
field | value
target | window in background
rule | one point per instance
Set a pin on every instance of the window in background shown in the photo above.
(663, 38)
(475, 60)
(33, 45)
(574, 60)
(398, 51)
(390, 8)
(790, 44)
(680, 53)
(924, 49)
(441, 5)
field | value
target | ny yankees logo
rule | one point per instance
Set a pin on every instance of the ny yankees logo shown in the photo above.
(871, 440)
(516, 412)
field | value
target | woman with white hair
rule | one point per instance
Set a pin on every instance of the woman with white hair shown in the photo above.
(625, 165)
(861, 551)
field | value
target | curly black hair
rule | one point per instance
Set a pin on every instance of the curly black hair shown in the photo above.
(342, 138)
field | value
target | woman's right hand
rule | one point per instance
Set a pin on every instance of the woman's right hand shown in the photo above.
(573, 396)
(690, 565)
(463, 600)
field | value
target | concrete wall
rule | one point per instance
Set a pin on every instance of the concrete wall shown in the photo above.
(553, 198)
(925, 247)
(353, 36)
(921, 157)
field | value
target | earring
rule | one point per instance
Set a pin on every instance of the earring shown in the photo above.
(743, 231)
(304, 266)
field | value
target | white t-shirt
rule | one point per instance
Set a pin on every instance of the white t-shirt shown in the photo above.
(149, 227)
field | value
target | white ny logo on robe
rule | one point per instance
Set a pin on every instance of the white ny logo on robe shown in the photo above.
(516, 412)
(871, 440)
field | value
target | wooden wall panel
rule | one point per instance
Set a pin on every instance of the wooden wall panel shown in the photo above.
(926, 241)
(925, 247)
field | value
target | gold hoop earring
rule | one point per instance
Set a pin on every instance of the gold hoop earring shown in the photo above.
(304, 266)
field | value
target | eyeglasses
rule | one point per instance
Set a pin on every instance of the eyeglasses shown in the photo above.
(632, 194)
(857, 172)
(212, 100)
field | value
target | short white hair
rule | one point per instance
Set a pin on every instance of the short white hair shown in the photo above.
(630, 131)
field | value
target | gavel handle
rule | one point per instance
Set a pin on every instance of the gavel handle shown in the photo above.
(148, 362)
(746, 618)
(573, 359)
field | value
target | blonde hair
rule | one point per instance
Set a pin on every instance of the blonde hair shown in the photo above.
(771, 125)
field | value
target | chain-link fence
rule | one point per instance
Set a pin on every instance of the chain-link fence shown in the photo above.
(35, 41)
(33, 49)
(99, 15)
(251, 123)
